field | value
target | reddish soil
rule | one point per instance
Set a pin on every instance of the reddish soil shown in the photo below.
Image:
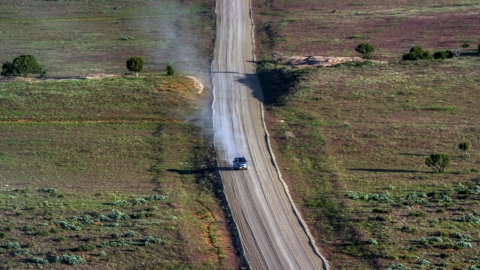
(337, 27)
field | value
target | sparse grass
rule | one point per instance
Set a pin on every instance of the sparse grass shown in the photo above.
(81, 159)
(355, 136)
(72, 38)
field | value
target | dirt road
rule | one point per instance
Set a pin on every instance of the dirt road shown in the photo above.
(272, 233)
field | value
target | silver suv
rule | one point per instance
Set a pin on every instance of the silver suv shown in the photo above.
(240, 163)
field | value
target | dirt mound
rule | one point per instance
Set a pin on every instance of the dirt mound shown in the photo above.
(196, 83)
(326, 61)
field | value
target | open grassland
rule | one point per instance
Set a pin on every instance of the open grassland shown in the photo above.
(335, 28)
(110, 175)
(76, 38)
(352, 139)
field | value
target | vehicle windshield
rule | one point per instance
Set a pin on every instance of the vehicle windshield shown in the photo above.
(239, 160)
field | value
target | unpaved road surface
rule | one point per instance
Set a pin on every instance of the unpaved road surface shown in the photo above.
(272, 233)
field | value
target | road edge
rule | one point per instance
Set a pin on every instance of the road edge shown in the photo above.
(269, 148)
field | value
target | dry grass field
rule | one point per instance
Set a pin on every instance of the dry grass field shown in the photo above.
(352, 139)
(110, 173)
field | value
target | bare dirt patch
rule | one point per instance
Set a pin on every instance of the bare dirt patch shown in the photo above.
(326, 61)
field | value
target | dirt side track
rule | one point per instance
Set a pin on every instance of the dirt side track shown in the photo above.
(271, 230)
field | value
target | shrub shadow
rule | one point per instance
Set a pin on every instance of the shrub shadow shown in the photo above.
(414, 154)
(385, 170)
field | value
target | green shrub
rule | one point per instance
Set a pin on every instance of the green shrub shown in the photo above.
(139, 201)
(478, 50)
(366, 49)
(39, 260)
(2, 235)
(463, 244)
(423, 262)
(397, 266)
(150, 239)
(130, 234)
(19, 252)
(43, 233)
(86, 247)
(464, 146)
(61, 239)
(72, 259)
(372, 241)
(13, 245)
(438, 162)
(443, 54)
(416, 53)
(170, 71)
(409, 229)
(465, 45)
(102, 253)
(156, 197)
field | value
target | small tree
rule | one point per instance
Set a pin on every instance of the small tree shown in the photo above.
(135, 64)
(416, 53)
(170, 71)
(438, 162)
(366, 49)
(22, 65)
(26, 64)
(465, 146)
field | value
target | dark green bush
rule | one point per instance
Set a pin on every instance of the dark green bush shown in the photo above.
(23, 65)
(438, 162)
(465, 45)
(2, 235)
(417, 53)
(86, 247)
(135, 64)
(170, 71)
(366, 49)
(478, 50)
(443, 54)
(464, 146)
